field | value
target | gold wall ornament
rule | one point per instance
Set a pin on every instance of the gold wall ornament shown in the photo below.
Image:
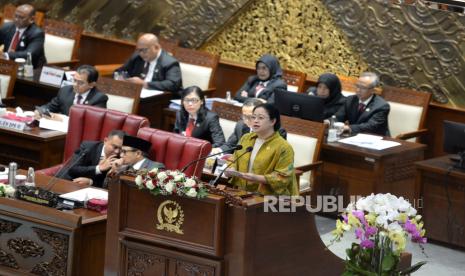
(408, 45)
(170, 217)
(302, 34)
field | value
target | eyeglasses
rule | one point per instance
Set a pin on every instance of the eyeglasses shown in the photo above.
(191, 101)
(259, 118)
(247, 117)
(124, 151)
(142, 50)
(80, 82)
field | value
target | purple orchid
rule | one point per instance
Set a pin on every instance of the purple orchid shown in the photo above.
(367, 244)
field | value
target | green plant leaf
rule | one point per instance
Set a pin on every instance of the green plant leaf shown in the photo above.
(355, 270)
(413, 268)
(389, 261)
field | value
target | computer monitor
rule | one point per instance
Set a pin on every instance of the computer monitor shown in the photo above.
(300, 105)
(454, 137)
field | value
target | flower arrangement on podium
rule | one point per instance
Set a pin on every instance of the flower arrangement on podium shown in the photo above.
(169, 182)
(382, 225)
(6, 190)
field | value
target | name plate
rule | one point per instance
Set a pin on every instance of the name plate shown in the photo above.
(50, 75)
(11, 124)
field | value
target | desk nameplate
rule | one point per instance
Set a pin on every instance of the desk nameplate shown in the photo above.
(12, 124)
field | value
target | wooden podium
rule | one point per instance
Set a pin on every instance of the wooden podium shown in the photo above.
(171, 235)
(39, 240)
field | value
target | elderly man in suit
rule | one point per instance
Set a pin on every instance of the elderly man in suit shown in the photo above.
(94, 159)
(134, 155)
(153, 67)
(83, 91)
(365, 112)
(22, 36)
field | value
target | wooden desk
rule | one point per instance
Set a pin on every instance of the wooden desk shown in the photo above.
(37, 148)
(29, 92)
(351, 170)
(217, 238)
(443, 192)
(46, 241)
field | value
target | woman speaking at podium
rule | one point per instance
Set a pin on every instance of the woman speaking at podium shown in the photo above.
(269, 167)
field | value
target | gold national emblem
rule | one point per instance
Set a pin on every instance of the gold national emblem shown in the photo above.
(170, 217)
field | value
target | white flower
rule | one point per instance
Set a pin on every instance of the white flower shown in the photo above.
(162, 176)
(189, 183)
(149, 185)
(191, 193)
(169, 187)
(154, 170)
(394, 227)
(178, 177)
(9, 191)
(382, 221)
(138, 180)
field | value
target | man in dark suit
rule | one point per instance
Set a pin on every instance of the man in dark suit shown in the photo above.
(91, 163)
(22, 36)
(134, 154)
(153, 67)
(365, 112)
(83, 91)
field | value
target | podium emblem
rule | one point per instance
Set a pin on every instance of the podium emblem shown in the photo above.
(170, 217)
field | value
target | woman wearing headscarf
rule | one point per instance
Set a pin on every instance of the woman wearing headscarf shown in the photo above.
(265, 83)
(328, 87)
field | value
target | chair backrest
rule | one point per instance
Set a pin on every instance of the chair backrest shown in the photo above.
(175, 150)
(408, 109)
(295, 80)
(169, 46)
(122, 96)
(9, 13)
(94, 123)
(229, 114)
(8, 70)
(305, 138)
(197, 67)
(61, 40)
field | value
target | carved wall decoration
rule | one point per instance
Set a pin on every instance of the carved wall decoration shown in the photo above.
(59, 243)
(138, 262)
(25, 247)
(192, 22)
(8, 226)
(6, 259)
(409, 46)
(301, 34)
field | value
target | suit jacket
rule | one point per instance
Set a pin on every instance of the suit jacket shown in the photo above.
(166, 75)
(239, 130)
(31, 41)
(267, 93)
(64, 100)
(374, 119)
(85, 166)
(207, 128)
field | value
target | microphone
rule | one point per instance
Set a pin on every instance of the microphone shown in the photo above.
(237, 147)
(66, 166)
(214, 181)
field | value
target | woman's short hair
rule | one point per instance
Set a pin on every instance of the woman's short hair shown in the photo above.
(198, 91)
(273, 113)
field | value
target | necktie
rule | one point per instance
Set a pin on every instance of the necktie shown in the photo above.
(145, 70)
(190, 127)
(79, 99)
(361, 108)
(259, 89)
(14, 42)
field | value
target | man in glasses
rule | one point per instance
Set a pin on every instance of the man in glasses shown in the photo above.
(152, 67)
(365, 112)
(22, 36)
(134, 155)
(83, 91)
(94, 159)
(244, 126)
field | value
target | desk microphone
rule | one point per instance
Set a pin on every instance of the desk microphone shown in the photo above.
(214, 181)
(66, 166)
(237, 147)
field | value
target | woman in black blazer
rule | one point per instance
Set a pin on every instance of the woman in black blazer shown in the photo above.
(265, 83)
(195, 120)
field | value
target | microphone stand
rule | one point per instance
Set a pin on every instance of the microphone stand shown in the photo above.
(214, 181)
(63, 169)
